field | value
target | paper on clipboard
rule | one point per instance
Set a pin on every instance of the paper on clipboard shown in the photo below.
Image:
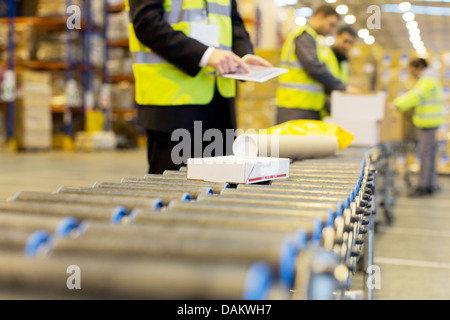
(256, 74)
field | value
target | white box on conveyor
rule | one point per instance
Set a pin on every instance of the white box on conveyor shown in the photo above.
(358, 106)
(234, 169)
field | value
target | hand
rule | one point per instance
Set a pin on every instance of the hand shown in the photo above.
(391, 106)
(352, 89)
(256, 61)
(225, 61)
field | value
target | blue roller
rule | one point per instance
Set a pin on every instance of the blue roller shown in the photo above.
(186, 197)
(36, 241)
(66, 227)
(14, 198)
(118, 215)
(340, 209)
(158, 204)
(301, 237)
(258, 282)
(356, 191)
(210, 191)
(132, 215)
(288, 257)
(352, 196)
(317, 231)
(227, 185)
(59, 189)
(330, 218)
(347, 202)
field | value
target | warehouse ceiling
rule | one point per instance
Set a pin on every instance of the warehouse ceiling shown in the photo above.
(433, 18)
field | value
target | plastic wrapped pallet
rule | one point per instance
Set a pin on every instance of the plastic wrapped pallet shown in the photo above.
(33, 114)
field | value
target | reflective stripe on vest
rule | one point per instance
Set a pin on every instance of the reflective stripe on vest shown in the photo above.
(296, 88)
(159, 82)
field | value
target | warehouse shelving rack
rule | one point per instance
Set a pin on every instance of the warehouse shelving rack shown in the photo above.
(55, 23)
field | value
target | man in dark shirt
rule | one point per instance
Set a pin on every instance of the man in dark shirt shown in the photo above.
(310, 71)
(345, 38)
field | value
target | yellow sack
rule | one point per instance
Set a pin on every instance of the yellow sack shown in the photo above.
(94, 121)
(314, 128)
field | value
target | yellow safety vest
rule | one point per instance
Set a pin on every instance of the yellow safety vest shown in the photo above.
(338, 70)
(296, 89)
(159, 82)
(426, 99)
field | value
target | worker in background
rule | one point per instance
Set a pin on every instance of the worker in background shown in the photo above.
(336, 60)
(177, 44)
(301, 91)
(344, 41)
(426, 99)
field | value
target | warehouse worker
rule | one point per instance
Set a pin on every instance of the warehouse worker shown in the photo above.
(177, 44)
(301, 92)
(426, 99)
(336, 60)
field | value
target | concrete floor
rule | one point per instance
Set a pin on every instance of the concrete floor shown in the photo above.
(47, 171)
(413, 254)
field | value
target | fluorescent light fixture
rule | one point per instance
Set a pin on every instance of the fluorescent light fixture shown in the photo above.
(303, 12)
(363, 33)
(421, 51)
(413, 32)
(412, 24)
(415, 38)
(426, 10)
(349, 19)
(342, 9)
(369, 40)
(408, 16)
(283, 3)
(404, 6)
(330, 1)
(300, 21)
(418, 45)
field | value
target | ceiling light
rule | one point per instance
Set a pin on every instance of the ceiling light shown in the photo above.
(421, 51)
(303, 12)
(300, 21)
(330, 40)
(363, 33)
(412, 24)
(404, 6)
(408, 16)
(342, 9)
(330, 1)
(369, 40)
(413, 32)
(418, 45)
(349, 19)
(415, 38)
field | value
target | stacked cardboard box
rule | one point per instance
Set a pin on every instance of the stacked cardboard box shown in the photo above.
(33, 114)
(122, 96)
(393, 78)
(363, 66)
(256, 102)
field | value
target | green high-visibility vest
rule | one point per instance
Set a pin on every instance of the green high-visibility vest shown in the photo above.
(296, 89)
(338, 70)
(426, 99)
(157, 81)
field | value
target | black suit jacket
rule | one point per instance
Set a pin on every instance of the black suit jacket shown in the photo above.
(185, 53)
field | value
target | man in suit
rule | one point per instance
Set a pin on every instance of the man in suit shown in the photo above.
(177, 44)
